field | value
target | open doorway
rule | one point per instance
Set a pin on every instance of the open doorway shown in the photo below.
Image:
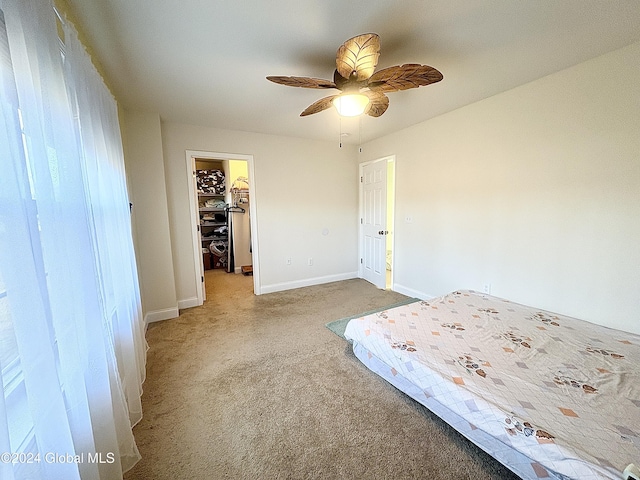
(223, 219)
(377, 196)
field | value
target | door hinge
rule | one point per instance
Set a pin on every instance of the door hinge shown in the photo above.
(202, 278)
(360, 260)
(198, 227)
(361, 180)
(361, 222)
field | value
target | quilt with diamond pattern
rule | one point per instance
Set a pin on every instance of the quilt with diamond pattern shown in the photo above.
(547, 395)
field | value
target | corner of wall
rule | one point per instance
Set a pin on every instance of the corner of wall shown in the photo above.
(150, 216)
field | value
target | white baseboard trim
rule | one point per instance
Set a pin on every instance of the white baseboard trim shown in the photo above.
(159, 315)
(308, 282)
(410, 292)
(188, 303)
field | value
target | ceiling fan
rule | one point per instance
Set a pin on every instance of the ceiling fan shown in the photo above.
(362, 90)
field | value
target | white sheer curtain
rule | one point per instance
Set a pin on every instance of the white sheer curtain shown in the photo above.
(101, 146)
(71, 332)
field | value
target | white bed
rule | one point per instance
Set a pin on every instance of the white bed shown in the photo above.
(547, 395)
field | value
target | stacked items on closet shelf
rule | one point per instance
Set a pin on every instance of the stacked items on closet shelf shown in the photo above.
(214, 230)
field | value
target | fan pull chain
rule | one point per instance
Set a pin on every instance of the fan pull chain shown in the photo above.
(360, 134)
(340, 140)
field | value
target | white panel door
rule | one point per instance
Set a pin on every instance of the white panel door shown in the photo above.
(374, 223)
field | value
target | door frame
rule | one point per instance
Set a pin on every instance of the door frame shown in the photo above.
(196, 243)
(387, 159)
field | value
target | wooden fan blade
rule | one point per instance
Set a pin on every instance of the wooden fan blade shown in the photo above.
(304, 82)
(340, 82)
(378, 103)
(319, 106)
(403, 77)
(358, 56)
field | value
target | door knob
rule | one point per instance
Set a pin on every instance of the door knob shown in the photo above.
(383, 232)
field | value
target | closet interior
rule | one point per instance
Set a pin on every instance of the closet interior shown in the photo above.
(223, 209)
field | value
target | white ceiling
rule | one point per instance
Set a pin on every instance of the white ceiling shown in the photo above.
(204, 62)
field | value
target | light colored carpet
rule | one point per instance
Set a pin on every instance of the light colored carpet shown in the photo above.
(255, 387)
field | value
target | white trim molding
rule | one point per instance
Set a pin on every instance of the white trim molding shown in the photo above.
(163, 314)
(188, 303)
(410, 292)
(308, 282)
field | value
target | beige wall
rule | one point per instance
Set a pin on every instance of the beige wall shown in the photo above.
(147, 188)
(301, 188)
(535, 191)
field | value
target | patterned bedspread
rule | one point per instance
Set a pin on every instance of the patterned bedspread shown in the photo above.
(547, 395)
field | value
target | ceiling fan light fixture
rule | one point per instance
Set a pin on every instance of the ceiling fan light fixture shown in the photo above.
(351, 105)
(356, 61)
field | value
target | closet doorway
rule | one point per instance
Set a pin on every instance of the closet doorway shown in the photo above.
(223, 216)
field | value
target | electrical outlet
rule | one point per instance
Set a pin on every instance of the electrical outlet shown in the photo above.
(310, 261)
(408, 219)
(288, 261)
(487, 288)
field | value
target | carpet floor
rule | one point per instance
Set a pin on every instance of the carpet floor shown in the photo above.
(256, 387)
